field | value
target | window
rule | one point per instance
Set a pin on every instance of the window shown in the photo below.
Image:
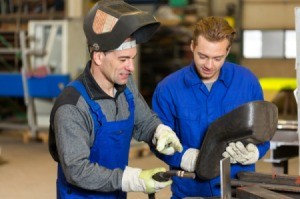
(252, 44)
(269, 44)
(290, 44)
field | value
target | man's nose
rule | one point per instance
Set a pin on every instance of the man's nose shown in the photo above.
(130, 65)
(209, 63)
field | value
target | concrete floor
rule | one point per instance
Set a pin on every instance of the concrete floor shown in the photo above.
(28, 172)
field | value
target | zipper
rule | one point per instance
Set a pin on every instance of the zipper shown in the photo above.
(117, 108)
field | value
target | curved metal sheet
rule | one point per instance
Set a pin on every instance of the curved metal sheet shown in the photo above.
(254, 122)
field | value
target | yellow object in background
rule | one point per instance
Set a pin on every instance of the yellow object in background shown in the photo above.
(230, 21)
(273, 85)
(278, 84)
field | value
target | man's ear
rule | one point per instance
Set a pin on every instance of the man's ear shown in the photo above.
(192, 46)
(97, 57)
(228, 50)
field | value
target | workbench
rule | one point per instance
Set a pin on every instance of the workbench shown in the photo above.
(18, 85)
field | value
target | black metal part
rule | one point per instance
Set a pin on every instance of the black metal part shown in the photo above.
(165, 176)
(254, 122)
(286, 185)
(274, 179)
(256, 192)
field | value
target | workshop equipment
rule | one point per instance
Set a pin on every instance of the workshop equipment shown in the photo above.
(285, 143)
(252, 185)
(225, 178)
(249, 184)
(30, 87)
(254, 122)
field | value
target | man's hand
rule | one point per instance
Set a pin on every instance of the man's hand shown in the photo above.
(135, 179)
(189, 158)
(166, 140)
(238, 153)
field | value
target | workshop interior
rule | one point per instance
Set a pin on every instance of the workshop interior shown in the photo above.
(43, 48)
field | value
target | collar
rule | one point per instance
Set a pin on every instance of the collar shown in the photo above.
(93, 89)
(226, 73)
(192, 78)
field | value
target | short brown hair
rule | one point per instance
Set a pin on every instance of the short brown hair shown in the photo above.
(213, 28)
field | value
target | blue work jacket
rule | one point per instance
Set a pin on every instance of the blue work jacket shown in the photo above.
(183, 102)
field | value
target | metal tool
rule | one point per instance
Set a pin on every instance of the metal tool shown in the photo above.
(167, 175)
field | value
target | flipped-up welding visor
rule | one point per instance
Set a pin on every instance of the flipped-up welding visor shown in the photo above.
(110, 22)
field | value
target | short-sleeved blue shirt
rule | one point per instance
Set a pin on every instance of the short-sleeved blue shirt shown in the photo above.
(183, 102)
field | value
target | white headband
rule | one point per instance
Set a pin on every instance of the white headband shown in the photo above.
(126, 45)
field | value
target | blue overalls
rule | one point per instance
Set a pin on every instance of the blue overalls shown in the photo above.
(110, 148)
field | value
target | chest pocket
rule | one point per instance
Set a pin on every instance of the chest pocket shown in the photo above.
(188, 113)
(190, 125)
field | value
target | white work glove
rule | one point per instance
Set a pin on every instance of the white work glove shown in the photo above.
(135, 179)
(238, 153)
(166, 140)
(189, 158)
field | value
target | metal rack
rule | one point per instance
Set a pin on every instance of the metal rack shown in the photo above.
(30, 88)
(47, 46)
(14, 16)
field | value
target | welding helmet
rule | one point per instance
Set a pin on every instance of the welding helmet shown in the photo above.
(110, 22)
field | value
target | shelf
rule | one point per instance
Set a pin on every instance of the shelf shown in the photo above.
(10, 26)
(30, 16)
(9, 50)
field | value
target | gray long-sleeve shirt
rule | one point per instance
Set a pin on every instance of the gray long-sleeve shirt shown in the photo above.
(71, 132)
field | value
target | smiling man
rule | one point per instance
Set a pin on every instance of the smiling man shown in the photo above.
(96, 116)
(190, 99)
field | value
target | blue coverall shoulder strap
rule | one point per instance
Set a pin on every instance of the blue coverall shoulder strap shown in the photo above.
(95, 107)
(129, 97)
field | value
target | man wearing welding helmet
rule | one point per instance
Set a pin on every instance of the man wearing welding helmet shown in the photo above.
(96, 116)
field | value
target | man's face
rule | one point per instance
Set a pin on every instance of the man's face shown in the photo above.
(118, 65)
(209, 57)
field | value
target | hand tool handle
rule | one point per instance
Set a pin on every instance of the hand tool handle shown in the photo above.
(151, 195)
(165, 176)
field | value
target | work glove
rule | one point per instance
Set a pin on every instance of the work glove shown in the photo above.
(238, 153)
(135, 179)
(189, 158)
(166, 140)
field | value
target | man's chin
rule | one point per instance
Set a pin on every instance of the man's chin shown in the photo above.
(205, 78)
(122, 82)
